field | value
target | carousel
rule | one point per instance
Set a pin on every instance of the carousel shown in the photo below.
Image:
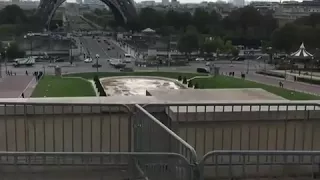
(301, 54)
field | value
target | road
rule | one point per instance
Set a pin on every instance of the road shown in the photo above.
(101, 48)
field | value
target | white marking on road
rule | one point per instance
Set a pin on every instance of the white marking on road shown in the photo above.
(104, 51)
(33, 79)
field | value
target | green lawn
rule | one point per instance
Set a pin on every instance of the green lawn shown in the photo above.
(53, 86)
(221, 82)
(173, 75)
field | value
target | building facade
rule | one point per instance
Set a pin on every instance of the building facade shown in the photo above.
(292, 10)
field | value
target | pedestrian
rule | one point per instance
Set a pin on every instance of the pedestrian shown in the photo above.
(27, 73)
(22, 95)
(15, 73)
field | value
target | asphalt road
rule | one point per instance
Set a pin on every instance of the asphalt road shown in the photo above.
(94, 47)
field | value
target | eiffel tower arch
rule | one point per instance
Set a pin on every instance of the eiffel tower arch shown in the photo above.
(123, 10)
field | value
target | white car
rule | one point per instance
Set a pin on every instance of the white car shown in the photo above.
(199, 59)
(88, 60)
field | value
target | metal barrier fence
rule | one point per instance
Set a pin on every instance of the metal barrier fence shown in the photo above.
(58, 135)
(260, 165)
(65, 127)
(243, 126)
(150, 135)
(93, 166)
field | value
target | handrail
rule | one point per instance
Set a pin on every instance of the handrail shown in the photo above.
(192, 150)
(255, 152)
(34, 153)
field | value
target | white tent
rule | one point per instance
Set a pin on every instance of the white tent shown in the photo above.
(148, 30)
(301, 53)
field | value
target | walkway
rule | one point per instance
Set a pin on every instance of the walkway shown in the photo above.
(13, 86)
(297, 86)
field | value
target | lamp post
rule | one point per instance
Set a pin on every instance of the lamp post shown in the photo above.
(1, 65)
(26, 37)
(270, 58)
(6, 57)
(97, 62)
(312, 63)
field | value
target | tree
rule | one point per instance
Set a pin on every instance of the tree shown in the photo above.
(188, 42)
(228, 47)
(13, 51)
(285, 38)
(235, 52)
(213, 44)
(12, 14)
(150, 18)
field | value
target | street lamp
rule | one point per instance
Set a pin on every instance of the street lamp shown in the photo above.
(6, 57)
(270, 58)
(26, 37)
(1, 65)
(312, 62)
(97, 62)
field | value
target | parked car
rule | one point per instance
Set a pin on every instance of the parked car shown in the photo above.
(199, 59)
(120, 66)
(88, 60)
(95, 65)
(203, 70)
(240, 59)
(126, 69)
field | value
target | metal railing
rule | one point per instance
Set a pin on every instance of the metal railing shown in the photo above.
(260, 164)
(65, 127)
(93, 165)
(150, 135)
(242, 126)
(167, 139)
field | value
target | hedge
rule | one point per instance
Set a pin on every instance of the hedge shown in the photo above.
(271, 74)
(99, 86)
(308, 80)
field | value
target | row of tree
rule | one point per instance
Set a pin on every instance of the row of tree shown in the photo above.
(289, 37)
(14, 21)
(242, 22)
(11, 52)
(243, 26)
(192, 41)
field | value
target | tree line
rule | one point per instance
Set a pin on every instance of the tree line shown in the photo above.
(15, 22)
(243, 26)
(289, 37)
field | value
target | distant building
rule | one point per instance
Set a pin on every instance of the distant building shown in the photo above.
(265, 6)
(165, 2)
(21, 4)
(239, 3)
(15, 1)
(148, 3)
(94, 2)
(289, 11)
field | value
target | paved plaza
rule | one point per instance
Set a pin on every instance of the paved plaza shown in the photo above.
(13, 86)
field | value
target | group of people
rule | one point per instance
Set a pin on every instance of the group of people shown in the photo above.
(10, 73)
(37, 75)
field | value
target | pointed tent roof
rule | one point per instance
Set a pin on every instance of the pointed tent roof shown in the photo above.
(301, 53)
(148, 30)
